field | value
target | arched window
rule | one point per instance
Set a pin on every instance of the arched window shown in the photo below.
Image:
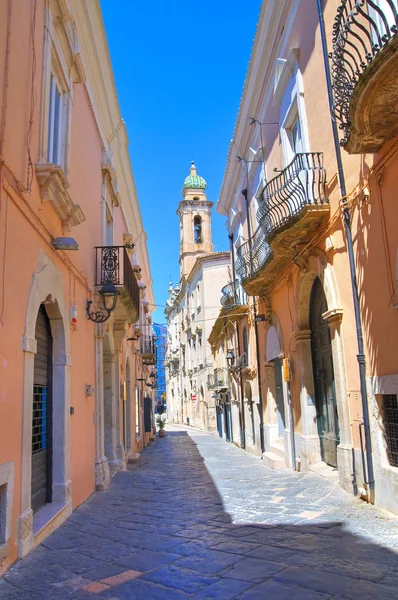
(197, 229)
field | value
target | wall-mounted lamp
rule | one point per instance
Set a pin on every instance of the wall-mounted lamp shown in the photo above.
(230, 357)
(109, 295)
(65, 243)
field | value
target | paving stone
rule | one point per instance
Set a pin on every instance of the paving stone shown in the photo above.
(291, 534)
(309, 559)
(224, 589)
(315, 579)
(253, 569)
(271, 553)
(281, 591)
(146, 560)
(237, 547)
(367, 590)
(357, 568)
(208, 561)
(140, 590)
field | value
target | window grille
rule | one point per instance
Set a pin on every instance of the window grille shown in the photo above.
(39, 433)
(390, 410)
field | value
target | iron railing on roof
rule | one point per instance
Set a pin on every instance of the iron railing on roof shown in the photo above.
(361, 30)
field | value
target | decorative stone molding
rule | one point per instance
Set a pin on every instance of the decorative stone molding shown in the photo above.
(29, 344)
(372, 108)
(54, 188)
(285, 70)
(62, 360)
(102, 476)
(334, 316)
(6, 505)
(302, 335)
(25, 538)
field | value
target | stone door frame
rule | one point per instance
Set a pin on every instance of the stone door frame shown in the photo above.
(46, 287)
(317, 265)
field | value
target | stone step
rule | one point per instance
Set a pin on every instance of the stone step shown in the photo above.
(278, 449)
(272, 460)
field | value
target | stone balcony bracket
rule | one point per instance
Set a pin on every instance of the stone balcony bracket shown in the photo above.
(54, 189)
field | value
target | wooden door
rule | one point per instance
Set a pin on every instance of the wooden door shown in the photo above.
(322, 363)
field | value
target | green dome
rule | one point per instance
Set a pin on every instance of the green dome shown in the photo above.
(193, 180)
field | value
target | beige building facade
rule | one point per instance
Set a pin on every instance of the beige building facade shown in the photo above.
(313, 243)
(76, 285)
(191, 310)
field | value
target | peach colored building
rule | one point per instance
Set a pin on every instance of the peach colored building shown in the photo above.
(74, 405)
(191, 310)
(315, 243)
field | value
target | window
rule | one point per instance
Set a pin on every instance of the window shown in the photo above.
(294, 134)
(289, 94)
(390, 422)
(108, 226)
(197, 228)
(58, 79)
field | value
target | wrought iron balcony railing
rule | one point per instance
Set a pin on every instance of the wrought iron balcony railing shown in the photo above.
(296, 194)
(149, 350)
(233, 295)
(301, 183)
(362, 29)
(217, 379)
(252, 255)
(112, 265)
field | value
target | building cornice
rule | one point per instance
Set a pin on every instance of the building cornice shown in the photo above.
(257, 91)
(101, 89)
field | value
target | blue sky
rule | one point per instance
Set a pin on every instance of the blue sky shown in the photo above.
(179, 68)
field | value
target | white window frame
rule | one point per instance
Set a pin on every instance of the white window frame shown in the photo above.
(55, 68)
(289, 95)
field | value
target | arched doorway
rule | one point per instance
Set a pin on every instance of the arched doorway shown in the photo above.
(42, 415)
(324, 385)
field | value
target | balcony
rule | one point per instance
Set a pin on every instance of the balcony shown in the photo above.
(365, 73)
(233, 296)
(148, 350)
(218, 379)
(293, 206)
(112, 265)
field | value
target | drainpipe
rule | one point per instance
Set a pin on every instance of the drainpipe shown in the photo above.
(360, 356)
(249, 233)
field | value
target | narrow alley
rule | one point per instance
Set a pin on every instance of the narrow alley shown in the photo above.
(199, 518)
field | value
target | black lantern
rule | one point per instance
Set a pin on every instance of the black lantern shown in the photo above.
(230, 358)
(109, 295)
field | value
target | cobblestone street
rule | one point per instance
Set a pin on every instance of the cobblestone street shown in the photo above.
(199, 518)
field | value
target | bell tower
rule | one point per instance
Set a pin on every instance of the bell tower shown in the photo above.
(194, 211)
